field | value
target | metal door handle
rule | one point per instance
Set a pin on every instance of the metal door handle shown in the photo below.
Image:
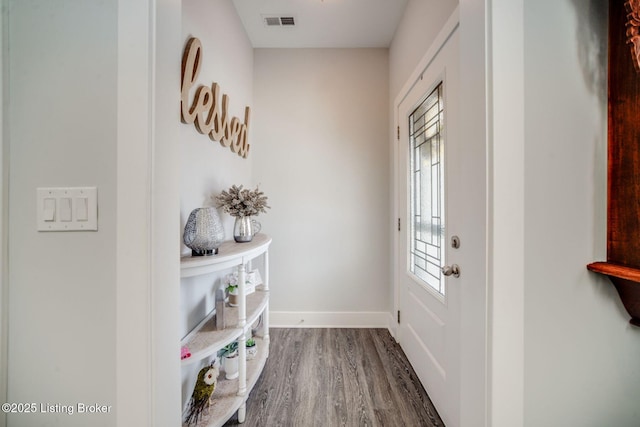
(453, 270)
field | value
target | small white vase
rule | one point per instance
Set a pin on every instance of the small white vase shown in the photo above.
(231, 366)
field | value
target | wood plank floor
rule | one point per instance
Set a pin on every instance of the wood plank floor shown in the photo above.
(337, 377)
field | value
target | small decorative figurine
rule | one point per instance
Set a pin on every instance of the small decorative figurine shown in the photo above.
(202, 392)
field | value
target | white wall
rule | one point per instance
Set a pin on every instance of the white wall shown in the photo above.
(91, 89)
(227, 59)
(577, 353)
(62, 132)
(580, 353)
(321, 157)
(420, 24)
(207, 168)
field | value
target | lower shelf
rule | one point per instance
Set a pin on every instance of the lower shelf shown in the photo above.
(225, 397)
(205, 340)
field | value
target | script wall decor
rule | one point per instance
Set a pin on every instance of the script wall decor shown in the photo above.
(208, 111)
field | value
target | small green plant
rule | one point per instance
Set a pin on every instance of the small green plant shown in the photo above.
(229, 349)
(251, 342)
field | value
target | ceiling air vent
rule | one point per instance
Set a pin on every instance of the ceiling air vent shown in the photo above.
(272, 21)
(279, 21)
(287, 21)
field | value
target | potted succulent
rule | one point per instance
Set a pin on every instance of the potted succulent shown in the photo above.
(229, 354)
(252, 349)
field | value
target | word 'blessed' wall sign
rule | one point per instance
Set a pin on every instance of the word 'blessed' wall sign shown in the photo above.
(207, 112)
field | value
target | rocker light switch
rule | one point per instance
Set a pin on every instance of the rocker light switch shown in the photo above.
(81, 209)
(49, 209)
(67, 209)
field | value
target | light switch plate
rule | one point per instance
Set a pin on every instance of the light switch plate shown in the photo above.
(83, 204)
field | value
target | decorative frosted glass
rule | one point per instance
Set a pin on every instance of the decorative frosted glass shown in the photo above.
(427, 190)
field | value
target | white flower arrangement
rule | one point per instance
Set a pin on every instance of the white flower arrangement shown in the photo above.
(231, 282)
(241, 202)
(252, 279)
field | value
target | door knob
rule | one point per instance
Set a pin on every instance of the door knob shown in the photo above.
(453, 270)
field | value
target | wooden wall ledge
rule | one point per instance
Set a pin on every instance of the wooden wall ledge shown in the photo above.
(627, 283)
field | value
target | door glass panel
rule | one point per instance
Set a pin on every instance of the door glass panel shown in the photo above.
(427, 190)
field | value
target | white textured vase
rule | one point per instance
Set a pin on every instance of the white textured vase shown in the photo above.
(203, 232)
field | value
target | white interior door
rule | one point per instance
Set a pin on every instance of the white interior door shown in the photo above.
(430, 206)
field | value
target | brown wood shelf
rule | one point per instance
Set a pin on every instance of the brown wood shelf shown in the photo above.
(623, 163)
(627, 282)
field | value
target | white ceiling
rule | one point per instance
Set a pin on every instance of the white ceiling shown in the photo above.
(322, 23)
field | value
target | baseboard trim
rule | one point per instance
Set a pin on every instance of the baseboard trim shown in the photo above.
(392, 325)
(341, 319)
